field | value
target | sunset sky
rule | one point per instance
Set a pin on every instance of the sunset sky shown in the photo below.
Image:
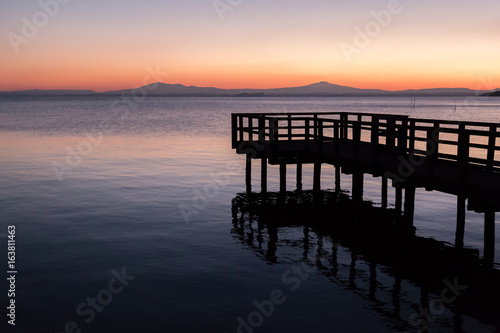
(107, 45)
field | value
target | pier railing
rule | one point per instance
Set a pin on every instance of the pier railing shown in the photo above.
(466, 143)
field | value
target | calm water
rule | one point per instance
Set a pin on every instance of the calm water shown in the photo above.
(147, 191)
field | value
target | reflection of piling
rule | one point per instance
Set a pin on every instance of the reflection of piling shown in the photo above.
(489, 238)
(460, 233)
(409, 206)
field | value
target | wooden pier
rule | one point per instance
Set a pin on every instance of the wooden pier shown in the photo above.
(459, 158)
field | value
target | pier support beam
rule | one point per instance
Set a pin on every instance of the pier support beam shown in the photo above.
(337, 179)
(299, 176)
(384, 192)
(317, 177)
(489, 238)
(357, 186)
(248, 178)
(263, 175)
(459, 234)
(283, 177)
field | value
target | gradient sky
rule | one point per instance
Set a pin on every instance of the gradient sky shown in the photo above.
(107, 44)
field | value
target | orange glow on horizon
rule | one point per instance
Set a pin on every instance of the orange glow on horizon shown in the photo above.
(117, 81)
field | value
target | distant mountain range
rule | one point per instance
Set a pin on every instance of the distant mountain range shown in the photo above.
(320, 89)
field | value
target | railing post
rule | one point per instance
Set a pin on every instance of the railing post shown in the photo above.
(234, 130)
(431, 153)
(262, 130)
(343, 126)
(390, 136)
(356, 137)
(307, 130)
(375, 130)
(374, 141)
(491, 148)
(250, 128)
(463, 156)
(336, 130)
(275, 130)
(289, 127)
(240, 127)
(273, 134)
(320, 136)
(315, 126)
(403, 136)
(411, 139)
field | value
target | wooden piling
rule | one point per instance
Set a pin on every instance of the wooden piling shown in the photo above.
(248, 178)
(283, 177)
(384, 192)
(299, 176)
(399, 199)
(460, 232)
(317, 177)
(263, 175)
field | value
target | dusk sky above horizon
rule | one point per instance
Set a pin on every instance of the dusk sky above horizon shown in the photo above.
(107, 45)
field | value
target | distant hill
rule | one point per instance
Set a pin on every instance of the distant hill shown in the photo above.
(494, 93)
(316, 89)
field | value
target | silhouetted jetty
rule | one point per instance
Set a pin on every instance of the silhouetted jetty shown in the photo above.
(459, 158)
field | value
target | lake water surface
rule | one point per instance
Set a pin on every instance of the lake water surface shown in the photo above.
(97, 192)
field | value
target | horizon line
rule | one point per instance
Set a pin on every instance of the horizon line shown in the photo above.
(214, 87)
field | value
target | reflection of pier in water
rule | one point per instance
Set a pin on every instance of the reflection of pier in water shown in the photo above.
(362, 248)
(459, 158)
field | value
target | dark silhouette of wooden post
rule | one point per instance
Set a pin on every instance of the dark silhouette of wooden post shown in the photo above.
(337, 178)
(384, 192)
(409, 205)
(263, 165)
(248, 178)
(299, 176)
(491, 148)
(263, 175)
(390, 139)
(374, 140)
(463, 175)
(357, 186)
(317, 177)
(431, 153)
(460, 232)
(282, 177)
(489, 237)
